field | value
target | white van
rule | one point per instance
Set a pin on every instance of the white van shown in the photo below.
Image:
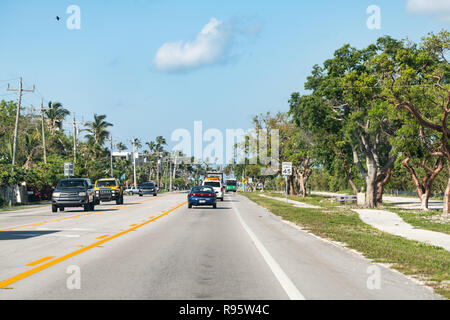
(216, 185)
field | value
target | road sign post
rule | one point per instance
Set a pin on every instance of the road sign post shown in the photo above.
(286, 171)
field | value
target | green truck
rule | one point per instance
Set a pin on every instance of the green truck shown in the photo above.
(231, 185)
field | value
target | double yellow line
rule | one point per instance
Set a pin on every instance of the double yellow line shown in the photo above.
(4, 284)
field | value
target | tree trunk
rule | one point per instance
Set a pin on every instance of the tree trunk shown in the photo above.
(424, 188)
(424, 200)
(302, 185)
(348, 176)
(291, 185)
(446, 211)
(371, 184)
(382, 180)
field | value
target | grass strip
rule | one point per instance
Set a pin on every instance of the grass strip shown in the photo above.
(427, 263)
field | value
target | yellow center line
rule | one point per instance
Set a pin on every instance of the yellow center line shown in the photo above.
(106, 235)
(4, 284)
(35, 263)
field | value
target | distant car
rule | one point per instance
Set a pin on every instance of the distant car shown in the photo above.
(74, 192)
(148, 188)
(132, 190)
(202, 196)
(216, 185)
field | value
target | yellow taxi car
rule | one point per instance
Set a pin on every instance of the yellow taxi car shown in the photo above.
(108, 190)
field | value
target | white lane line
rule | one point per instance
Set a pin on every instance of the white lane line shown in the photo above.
(288, 286)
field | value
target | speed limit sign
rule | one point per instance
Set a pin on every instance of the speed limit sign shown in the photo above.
(286, 169)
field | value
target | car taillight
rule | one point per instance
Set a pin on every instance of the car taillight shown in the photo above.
(191, 194)
(221, 189)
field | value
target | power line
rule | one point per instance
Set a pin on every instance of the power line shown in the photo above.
(9, 80)
(7, 94)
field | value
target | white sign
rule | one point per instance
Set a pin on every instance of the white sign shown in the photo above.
(286, 169)
(68, 169)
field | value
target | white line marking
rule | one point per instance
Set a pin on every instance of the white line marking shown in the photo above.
(288, 286)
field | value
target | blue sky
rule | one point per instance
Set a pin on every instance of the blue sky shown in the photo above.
(262, 52)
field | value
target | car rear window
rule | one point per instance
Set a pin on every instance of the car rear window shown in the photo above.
(231, 182)
(212, 184)
(202, 189)
(148, 185)
(71, 184)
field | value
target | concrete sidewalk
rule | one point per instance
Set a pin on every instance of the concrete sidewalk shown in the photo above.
(398, 202)
(293, 202)
(390, 222)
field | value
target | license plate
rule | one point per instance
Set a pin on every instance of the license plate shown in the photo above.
(202, 201)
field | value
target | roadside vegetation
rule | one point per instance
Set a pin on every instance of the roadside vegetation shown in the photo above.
(371, 120)
(40, 168)
(426, 263)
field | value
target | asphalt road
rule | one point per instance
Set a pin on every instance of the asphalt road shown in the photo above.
(157, 248)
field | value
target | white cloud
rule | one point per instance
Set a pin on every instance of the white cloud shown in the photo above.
(208, 48)
(435, 8)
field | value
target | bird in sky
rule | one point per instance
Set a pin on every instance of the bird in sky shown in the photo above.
(57, 18)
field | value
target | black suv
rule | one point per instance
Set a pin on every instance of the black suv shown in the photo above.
(148, 188)
(74, 192)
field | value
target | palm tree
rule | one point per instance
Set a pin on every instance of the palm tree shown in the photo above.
(31, 146)
(159, 148)
(56, 114)
(137, 143)
(151, 156)
(121, 147)
(160, 143)
(97, 129)
(151, 146)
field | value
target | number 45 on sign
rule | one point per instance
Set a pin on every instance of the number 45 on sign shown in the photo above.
(286, 169)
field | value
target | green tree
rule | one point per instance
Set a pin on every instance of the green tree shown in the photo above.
(97, 129)
(415, 79)
(55, 114)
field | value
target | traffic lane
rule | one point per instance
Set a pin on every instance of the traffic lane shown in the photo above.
(199, 253)
(60, 238)
(321, 269)
(15, 220)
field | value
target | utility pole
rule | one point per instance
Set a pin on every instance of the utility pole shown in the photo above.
(16, 127)
(134, 162)
(110, 139)
(158, 166)
(43, 131)
(111, 158)
(74, 140)
(174, 171)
